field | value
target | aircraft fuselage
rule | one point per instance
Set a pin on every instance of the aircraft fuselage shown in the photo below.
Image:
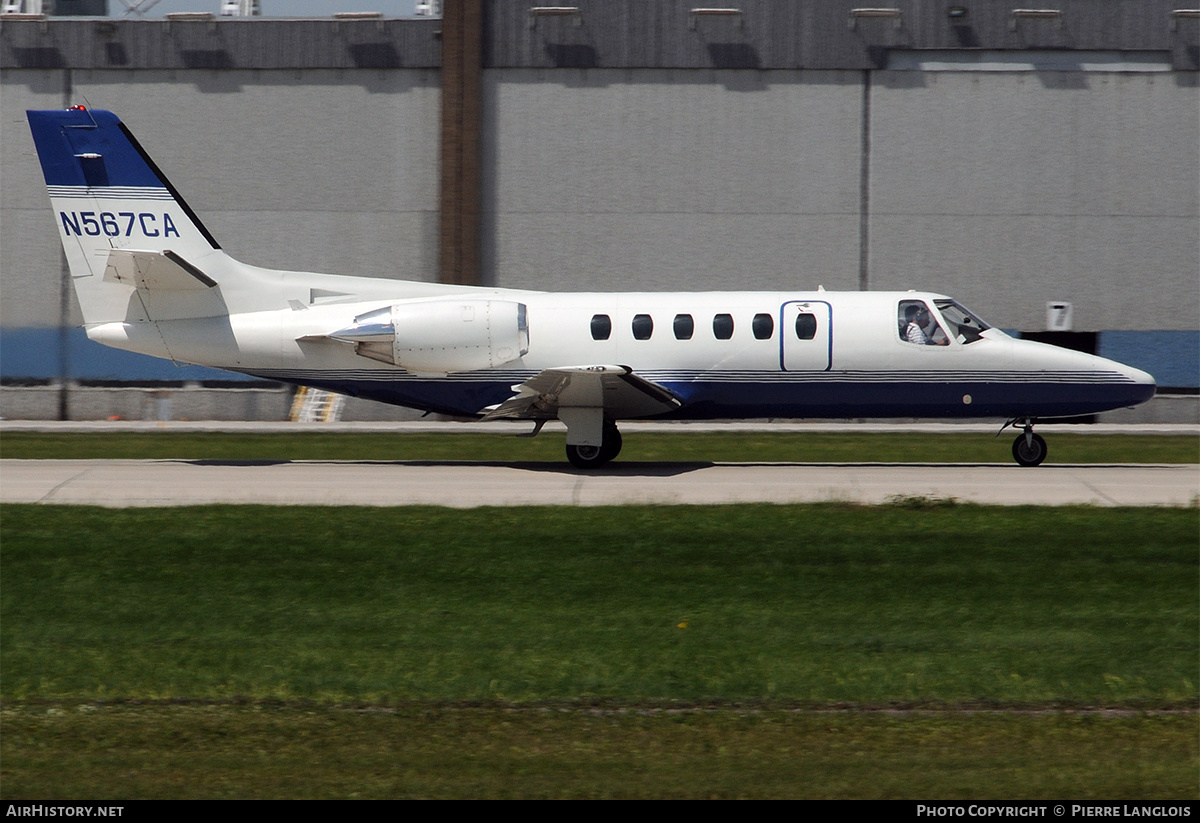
(151, 278)
(853, 364)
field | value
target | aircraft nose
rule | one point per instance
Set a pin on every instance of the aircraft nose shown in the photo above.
(1140, 377)
(1144, 384)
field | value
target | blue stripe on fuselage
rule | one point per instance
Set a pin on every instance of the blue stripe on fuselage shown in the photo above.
(796, 398)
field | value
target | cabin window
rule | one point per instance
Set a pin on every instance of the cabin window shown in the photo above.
(806, 326)
(643, 327)
(723, 326)
(684, 326)
(918, 326)
(601, 326)
(763, 326)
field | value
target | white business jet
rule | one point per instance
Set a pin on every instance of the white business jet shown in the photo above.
(150, 278)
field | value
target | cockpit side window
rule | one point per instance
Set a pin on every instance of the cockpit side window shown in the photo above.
(964, 326)
(918, 326)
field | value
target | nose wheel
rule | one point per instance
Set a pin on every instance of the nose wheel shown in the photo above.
(1029, 449)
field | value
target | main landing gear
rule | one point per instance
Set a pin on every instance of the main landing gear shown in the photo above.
(1028, 449)
(593, 457)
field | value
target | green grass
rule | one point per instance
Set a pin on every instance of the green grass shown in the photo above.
(795, 605)
(256, 651)
(639, 446)
(279, 751)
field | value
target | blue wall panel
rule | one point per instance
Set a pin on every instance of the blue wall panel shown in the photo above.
(38, 354)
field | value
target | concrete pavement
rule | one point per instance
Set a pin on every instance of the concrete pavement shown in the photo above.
(121, 483)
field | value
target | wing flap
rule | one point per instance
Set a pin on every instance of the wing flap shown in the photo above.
(616, 389)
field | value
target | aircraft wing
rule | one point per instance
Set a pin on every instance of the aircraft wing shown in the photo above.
(615, 389)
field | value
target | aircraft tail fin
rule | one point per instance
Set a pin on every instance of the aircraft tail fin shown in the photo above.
(109, 196)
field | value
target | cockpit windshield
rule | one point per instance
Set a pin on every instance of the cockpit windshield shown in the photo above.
(964, 326)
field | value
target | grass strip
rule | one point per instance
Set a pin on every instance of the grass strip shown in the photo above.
(709, 446)
(926, 605)
(297, 751)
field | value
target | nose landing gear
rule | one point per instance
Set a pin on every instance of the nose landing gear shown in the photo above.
(1028, 449)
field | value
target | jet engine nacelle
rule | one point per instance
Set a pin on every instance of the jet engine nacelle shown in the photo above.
(441, 336)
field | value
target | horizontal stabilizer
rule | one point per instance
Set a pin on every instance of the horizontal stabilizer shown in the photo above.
(155, 271)
(616, 389)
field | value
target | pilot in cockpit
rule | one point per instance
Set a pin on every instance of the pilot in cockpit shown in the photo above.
(917, 320)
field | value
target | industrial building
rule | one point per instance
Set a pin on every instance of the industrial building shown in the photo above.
(1041, 165)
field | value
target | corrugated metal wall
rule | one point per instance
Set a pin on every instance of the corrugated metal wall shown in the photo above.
(638, 146)
(766, 34)
(802, 34)
(228, 43)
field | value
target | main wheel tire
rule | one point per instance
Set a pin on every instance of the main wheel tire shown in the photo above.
(593, 457)
(612, 441)
(1029, 451)
(587, 457)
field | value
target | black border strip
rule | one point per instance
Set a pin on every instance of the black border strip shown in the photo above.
(189, 268)
(174, 193)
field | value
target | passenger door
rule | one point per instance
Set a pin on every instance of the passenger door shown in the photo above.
(806, 336)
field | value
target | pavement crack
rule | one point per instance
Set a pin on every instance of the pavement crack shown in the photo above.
(46, 498)
(1095, 490)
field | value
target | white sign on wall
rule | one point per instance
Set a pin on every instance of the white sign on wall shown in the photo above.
(1059, 316)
